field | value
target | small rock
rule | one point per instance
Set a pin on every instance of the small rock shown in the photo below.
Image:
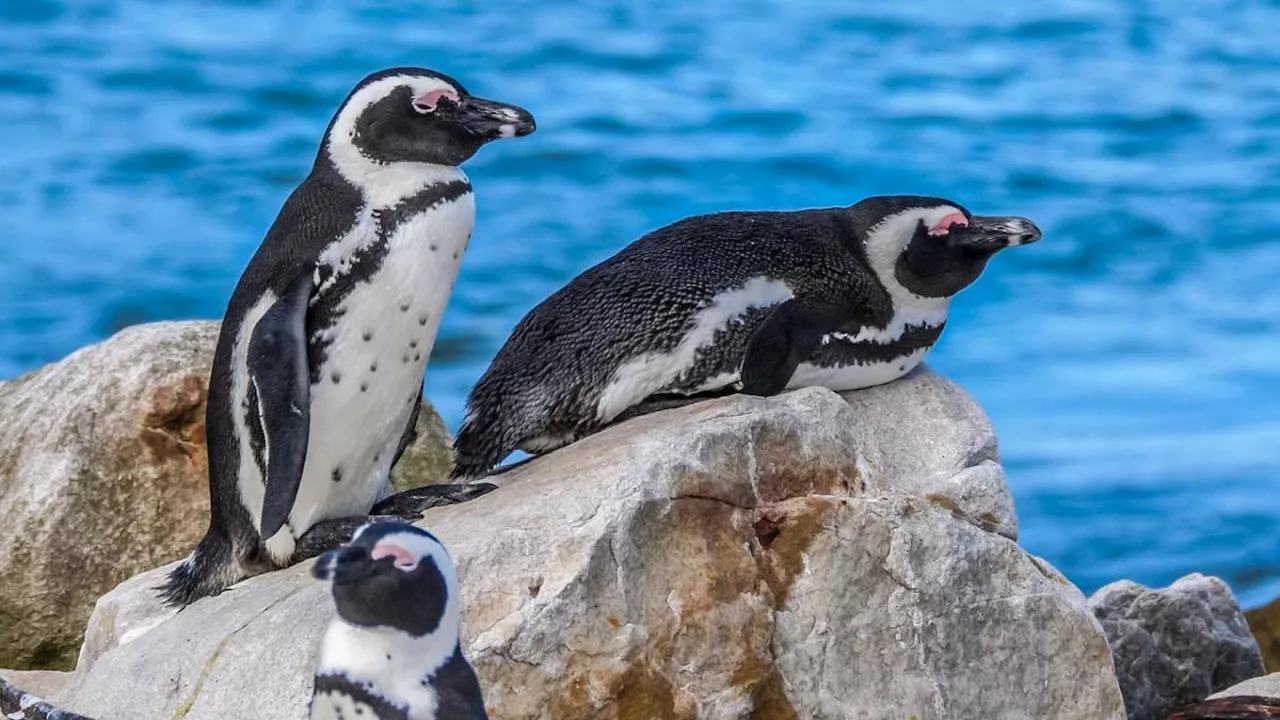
(1176, 646)
(1265, 686)
(1256, 699)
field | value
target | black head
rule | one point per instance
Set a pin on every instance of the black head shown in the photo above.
(393, 575)
(930, 246)
(417, 115)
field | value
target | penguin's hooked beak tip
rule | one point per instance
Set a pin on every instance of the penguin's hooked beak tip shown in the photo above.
(492, 120)
(1002, 232)
(344, 565)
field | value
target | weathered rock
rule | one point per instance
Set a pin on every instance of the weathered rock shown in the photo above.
(935, 441)
(17, 703)
(103, 474)
(1263, 686)
(1264, 622)
(733, 559)
(50, 685)
(1255, 699)
(1176, 646)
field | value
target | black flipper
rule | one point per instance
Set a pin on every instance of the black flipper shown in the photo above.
(785, 339)
(410, 504)
(279, 373)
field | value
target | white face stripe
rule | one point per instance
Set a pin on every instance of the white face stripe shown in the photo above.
(420, 546)
(884, 244)
(351, 163)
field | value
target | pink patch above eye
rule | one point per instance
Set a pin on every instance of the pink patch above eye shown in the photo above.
(404, 560)
(427, 103)
(944, 225)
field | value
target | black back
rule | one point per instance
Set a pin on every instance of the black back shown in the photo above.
(459, 690)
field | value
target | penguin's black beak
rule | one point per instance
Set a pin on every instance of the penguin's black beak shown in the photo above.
(344, 565)
(991, 233)
(491, 120)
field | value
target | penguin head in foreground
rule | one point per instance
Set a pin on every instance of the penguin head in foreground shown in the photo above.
(418, 115)
(933, 247)
(393, 575)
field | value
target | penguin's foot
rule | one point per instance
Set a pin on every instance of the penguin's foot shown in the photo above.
(410, 504)
(332, 534)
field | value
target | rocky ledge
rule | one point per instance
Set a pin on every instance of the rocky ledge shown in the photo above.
(802, 556)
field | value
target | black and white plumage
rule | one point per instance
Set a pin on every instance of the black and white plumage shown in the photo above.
(394, 651)
(756, 302)
(17, 704)
(317, 376)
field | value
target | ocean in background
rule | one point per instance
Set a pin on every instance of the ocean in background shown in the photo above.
(1130, 361)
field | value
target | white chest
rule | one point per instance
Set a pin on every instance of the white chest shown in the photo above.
(388, 663)
(384, 289)
(375, 358)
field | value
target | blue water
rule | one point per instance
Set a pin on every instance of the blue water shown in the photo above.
(1130, 361)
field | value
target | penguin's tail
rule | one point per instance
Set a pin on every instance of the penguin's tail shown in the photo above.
(484, 439)
(211, 568)
(19, 705)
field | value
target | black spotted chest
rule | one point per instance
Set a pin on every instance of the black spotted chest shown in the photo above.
(372, 322)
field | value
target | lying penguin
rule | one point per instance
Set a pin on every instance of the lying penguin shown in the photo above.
(393, 652)
(752, 302)
(317, 376)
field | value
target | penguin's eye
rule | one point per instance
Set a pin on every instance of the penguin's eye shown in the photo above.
(943, 226)
(404, 560)
(427, 102)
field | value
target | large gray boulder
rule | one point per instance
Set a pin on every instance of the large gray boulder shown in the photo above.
(103, 474)
(1175, 646)
(740, 558)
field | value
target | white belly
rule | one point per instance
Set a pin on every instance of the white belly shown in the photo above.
(374, 368)
(387, 663)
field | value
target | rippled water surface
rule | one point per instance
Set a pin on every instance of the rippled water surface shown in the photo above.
(1130, 361)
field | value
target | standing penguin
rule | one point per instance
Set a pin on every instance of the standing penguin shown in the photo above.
(394, 650)
(317, 377)
(753, 302)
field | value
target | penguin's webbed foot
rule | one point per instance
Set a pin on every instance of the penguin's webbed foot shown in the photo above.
(331, 535)
(410, 504)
